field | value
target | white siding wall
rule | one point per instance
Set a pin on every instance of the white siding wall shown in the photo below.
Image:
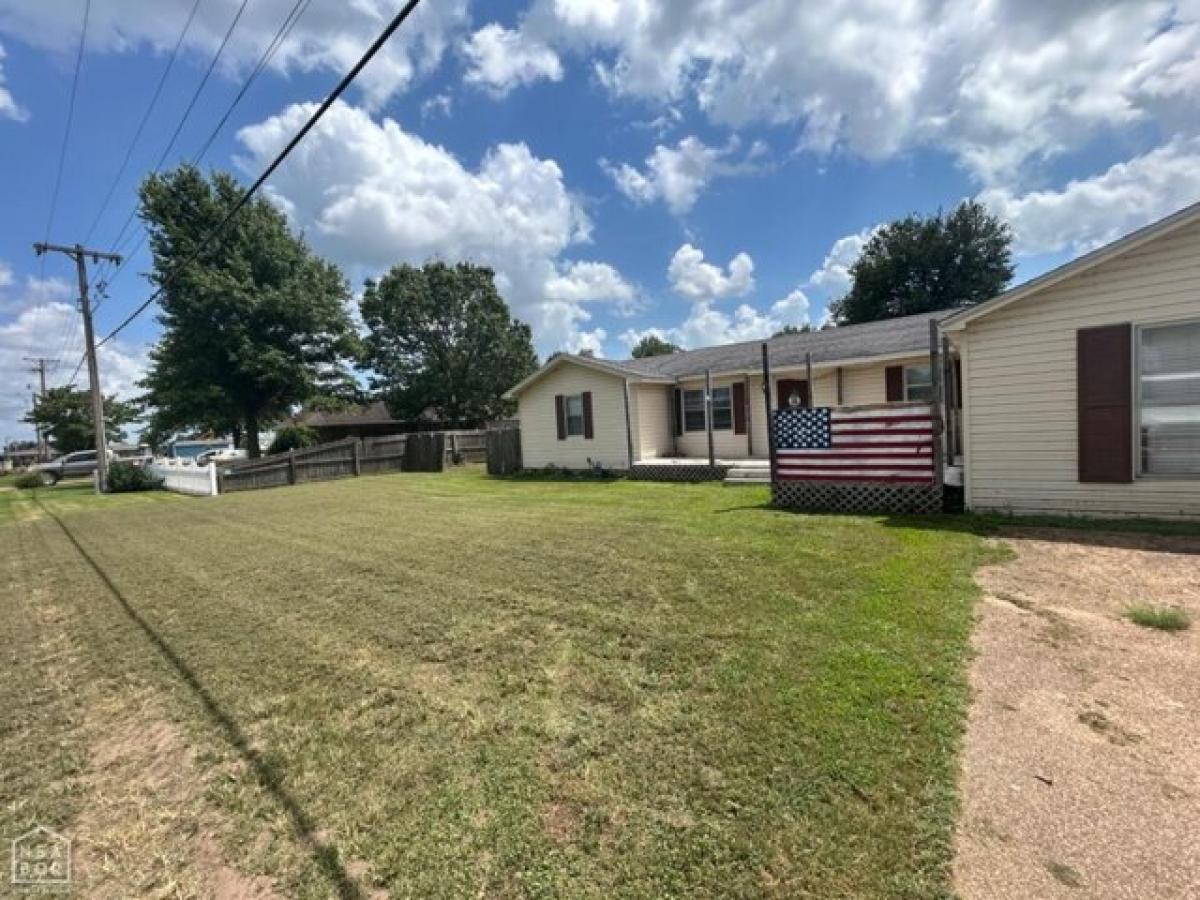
(540, 445)
(1022, 438)
(652, 420)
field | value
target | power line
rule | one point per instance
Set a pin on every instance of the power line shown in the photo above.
(66, 141)
(162, 80)
(188, 110)
(285, 29)
(337, 92)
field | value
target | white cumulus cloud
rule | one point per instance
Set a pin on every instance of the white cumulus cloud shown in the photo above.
(46, 328)
(678, 175)
(500, 60)
(698, 280)
(998, 84)
(1088, 212)
(329, 37)
(372, 195)
(8, 106)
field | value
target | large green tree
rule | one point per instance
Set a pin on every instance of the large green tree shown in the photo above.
(254, 325)
(65, 416)
(442, 342)
(921, 264)
(653, 345)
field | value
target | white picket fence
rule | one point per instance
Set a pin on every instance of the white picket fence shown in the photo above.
(184, 477)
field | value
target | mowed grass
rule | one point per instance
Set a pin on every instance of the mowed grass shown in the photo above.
(447, 686)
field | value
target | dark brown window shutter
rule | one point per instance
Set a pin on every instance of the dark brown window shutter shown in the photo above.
(588, 430)
(678, 412)
(786, 387)
(894, 380)
(560, 414)
(1104, 388)
(739, 407)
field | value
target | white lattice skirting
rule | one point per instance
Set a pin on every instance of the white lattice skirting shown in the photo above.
(857, 497)
(678, 473)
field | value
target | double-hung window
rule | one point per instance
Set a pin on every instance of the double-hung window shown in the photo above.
(574, 407)
(1168, 392)
(722, 409)
(918, 383)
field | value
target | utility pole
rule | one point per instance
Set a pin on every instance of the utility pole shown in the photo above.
(80, 254)
(39, 366)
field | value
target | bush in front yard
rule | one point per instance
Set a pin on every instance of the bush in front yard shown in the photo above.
(125, 477)
(29, 481)
(293, 437)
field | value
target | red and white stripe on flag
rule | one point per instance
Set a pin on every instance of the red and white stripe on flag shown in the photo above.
(891, 444)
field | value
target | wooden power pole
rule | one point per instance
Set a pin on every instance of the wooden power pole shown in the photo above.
(80, 254)
(39, 366)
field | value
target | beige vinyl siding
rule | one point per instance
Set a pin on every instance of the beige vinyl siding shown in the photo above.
(540, 446)
(1020, 369)
(652, 421)
(726, 444)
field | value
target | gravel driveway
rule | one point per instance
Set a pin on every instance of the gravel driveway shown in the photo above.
(1081, 769)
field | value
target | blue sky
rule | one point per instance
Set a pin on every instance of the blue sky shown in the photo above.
(701, 170)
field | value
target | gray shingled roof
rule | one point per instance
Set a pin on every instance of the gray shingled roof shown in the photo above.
(886, 338)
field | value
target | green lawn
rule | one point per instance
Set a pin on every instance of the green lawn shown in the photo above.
(445, 685)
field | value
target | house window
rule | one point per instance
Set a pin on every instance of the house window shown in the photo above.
(1168, 376)
(918, 383)
(574, 414)
(693, 410)
(722, 409)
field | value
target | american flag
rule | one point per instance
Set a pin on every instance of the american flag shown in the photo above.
(867, 444)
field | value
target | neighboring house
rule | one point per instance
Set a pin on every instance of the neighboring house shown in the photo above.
(1082, 387)
(1079, 390)
(370, 420)
(576, 411)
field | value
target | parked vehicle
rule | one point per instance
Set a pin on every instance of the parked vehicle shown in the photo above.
(81, 463)
(219, 455)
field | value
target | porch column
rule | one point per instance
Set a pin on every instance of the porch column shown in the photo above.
(712, 455)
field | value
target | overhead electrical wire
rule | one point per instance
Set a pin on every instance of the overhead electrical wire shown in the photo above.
(187, 112)
(285, 29)
(283, 154)
(66, 141)
(137, 134)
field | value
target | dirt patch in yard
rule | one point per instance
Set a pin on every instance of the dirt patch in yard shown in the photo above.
(1081, 768)
(146, 828)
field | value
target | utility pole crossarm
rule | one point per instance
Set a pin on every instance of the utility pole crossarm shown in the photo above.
(80, 254)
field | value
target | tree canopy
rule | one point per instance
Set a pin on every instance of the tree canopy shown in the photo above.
(251, 327)
(922, 264)
(443, 343)
(653, 345)
(65, 415)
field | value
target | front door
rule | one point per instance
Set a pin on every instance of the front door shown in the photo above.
(792, 393)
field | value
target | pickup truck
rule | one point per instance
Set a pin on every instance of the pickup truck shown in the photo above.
(82, 463)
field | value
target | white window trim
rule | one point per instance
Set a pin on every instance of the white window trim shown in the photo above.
(1135, 374)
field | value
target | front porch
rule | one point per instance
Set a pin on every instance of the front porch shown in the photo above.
(690, 468)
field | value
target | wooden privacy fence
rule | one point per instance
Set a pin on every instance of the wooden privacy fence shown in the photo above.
(503, 451)
(421, 452)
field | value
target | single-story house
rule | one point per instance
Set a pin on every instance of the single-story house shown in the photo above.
(1079, 390)
(577, 412)
(371, 419)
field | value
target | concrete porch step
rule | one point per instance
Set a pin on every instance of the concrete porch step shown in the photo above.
(754, 473)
